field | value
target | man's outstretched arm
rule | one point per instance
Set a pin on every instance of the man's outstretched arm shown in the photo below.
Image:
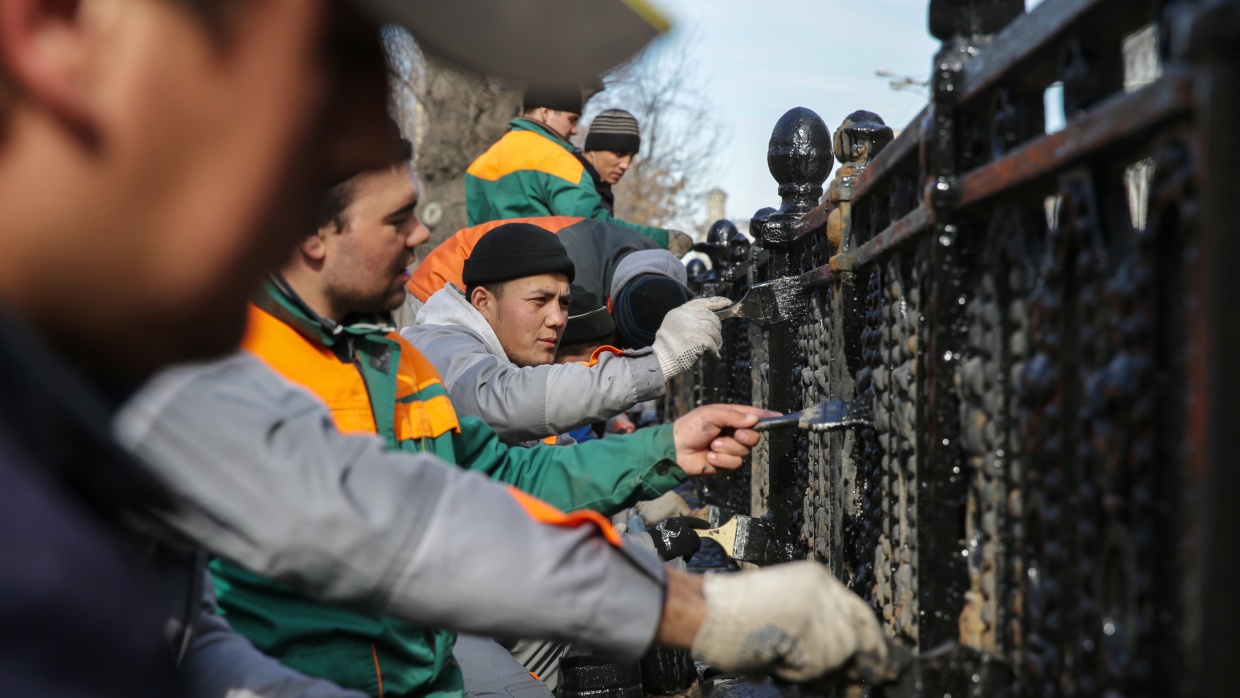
(260, 476)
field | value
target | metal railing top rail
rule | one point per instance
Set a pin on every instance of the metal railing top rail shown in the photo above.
(1112, 124)
(1027, 51)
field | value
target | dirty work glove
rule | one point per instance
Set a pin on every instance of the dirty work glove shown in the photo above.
(794, 621)
(666, 506)
(678, 243)
(675, 537)
(687, 332)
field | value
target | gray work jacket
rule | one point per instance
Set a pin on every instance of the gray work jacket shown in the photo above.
(532, 402)
(258, 474)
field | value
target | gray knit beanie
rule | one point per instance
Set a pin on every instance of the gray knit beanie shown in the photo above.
(615, 130)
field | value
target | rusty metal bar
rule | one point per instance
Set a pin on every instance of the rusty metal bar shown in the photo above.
(811, 222)
(1034, 33)
(1119, 118)
(893, 156)
(1123, 117)
(895, 235)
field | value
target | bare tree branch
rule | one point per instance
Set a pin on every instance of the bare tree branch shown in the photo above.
(681, 136)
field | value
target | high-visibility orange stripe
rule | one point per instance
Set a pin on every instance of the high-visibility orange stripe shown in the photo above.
(526, 150)
(550, 440)
(535, 676)
(605, 349)
(416, 372)
(422, 419)
(313, 366)
(378, 674)
(446, 262)
(339, 384)
(543, 512)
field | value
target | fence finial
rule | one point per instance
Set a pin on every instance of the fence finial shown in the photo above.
(800, 158)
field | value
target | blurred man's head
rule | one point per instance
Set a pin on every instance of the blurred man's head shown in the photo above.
(559, 110)
(157, 158)
(517, 278)
(589, 327)
(612, 143)
(646, 285)
(358, 259)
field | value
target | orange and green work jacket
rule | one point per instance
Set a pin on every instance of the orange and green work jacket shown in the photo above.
(531, 172)
(373, 381)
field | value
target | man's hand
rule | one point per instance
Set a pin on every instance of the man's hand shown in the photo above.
(794, 621)
(703, 446)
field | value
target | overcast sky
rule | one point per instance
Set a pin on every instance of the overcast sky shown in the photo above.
(759, 58)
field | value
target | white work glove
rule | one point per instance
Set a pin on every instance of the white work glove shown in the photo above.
(679, 243)
(687, 332)
(794, 621)
(654, 511)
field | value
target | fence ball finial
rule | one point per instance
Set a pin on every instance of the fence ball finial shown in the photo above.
(799, 157)
(757, 223)
(862, 135)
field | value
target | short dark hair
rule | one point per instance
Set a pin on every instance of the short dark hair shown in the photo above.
(495, 288)
(334, 203)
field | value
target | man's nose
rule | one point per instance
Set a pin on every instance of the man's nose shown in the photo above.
(418, 234)
(558, 317)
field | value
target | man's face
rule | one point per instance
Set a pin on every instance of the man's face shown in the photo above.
(205, 153)
(528, 316)
(365, 266)
(564, 122)
(611, 165)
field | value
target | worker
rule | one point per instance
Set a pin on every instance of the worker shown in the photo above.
(495, 342)
(587, 328)
(170, 241)
(611, 144)
(154, 157)
(597, 249)
(256, 471)
(322, 323)
(532, 172)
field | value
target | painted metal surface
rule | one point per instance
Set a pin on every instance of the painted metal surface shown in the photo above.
(1044, 326)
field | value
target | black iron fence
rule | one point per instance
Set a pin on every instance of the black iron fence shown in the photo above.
(1042, 323)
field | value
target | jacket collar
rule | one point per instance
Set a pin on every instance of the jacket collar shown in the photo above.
(448, 307)
(523, 124)
(62, 425)
(279, 299)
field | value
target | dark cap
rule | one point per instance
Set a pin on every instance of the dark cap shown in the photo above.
(514, 251)
(641, 305)
(588, 319)
(560, 99)
(615, 130)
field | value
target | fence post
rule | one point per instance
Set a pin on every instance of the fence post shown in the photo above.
(799, 157)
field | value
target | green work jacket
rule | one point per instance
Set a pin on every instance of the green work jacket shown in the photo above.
(377, 654)
(532, 172)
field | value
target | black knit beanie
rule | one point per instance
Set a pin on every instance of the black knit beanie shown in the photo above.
(559, 99)
(615, 130)
(514, 251)
(588, 319)
(642, 304)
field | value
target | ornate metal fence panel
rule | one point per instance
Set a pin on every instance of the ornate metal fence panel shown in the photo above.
(1040, 322)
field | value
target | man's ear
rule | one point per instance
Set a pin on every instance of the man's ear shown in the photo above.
(49, 50)
(314, 247)
(482, 300)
